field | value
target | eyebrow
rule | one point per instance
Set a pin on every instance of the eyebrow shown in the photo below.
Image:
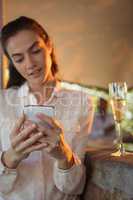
(30, 48)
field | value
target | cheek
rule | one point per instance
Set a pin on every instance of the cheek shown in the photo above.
(20, 69)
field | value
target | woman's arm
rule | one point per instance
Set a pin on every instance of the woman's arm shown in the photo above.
(7, 176)
(22, 144)
(72, 180)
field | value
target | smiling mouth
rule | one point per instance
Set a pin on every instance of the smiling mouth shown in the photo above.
(35, 72)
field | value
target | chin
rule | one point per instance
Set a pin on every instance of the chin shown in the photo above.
(36, 81)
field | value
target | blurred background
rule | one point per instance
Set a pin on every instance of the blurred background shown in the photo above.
(93, 38)
(94, 46)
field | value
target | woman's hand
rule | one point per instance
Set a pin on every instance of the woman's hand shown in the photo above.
(54, 138)
(23, 142)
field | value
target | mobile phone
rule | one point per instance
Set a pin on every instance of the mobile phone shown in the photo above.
(32, 110)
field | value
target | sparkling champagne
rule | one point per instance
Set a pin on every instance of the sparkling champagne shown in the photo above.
(118, 107)
(117, 93)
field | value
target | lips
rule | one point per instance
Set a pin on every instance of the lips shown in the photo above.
(35, 72)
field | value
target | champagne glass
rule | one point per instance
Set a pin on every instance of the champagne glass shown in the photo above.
(117, 93)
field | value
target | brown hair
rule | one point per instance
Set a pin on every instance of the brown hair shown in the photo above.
(12, 28)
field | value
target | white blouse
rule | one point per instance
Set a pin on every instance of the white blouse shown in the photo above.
(38, 177)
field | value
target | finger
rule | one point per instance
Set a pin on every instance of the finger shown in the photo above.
(50, 122)
(45, 130)
(46, 140)
(29, 142)
(51, 136)
(52, 141)
(23, 135)
(27, 123)
(35, 148)
(48, 149)
(48, 131)
(46, 118)
(18, 125)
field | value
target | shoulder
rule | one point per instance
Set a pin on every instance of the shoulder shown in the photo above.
(76, 93)
(8, 96)
(77, 99)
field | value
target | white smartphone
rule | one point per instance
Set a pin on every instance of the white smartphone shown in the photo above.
(31, 110)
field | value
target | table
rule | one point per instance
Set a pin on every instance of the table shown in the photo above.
(109, 177)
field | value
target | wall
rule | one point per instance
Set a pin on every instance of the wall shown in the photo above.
(93, 38)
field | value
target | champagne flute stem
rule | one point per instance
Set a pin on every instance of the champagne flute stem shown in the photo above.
(122, 149)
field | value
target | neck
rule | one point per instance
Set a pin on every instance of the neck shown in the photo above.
(43, 90)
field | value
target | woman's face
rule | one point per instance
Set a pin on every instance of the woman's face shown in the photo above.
(30, 56)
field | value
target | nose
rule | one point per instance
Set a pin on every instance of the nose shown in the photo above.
(29, 62)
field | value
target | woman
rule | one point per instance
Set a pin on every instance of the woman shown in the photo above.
(42, 161)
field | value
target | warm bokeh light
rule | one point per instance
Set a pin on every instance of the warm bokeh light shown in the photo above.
(5, 72)
(93, 43)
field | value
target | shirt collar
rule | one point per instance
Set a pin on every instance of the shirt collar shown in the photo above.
(24, 91)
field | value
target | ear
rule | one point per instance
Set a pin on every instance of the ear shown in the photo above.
(49, 45)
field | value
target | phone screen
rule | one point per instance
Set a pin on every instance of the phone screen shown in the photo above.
(31, 110)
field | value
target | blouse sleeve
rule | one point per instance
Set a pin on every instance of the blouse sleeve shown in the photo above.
(7, 176)
(72, 181)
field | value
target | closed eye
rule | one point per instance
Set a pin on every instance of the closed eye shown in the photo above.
(19, 60)
(36, 51)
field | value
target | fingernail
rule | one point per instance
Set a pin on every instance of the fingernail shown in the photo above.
(40, 115)
(40, 133)
(33, 125)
